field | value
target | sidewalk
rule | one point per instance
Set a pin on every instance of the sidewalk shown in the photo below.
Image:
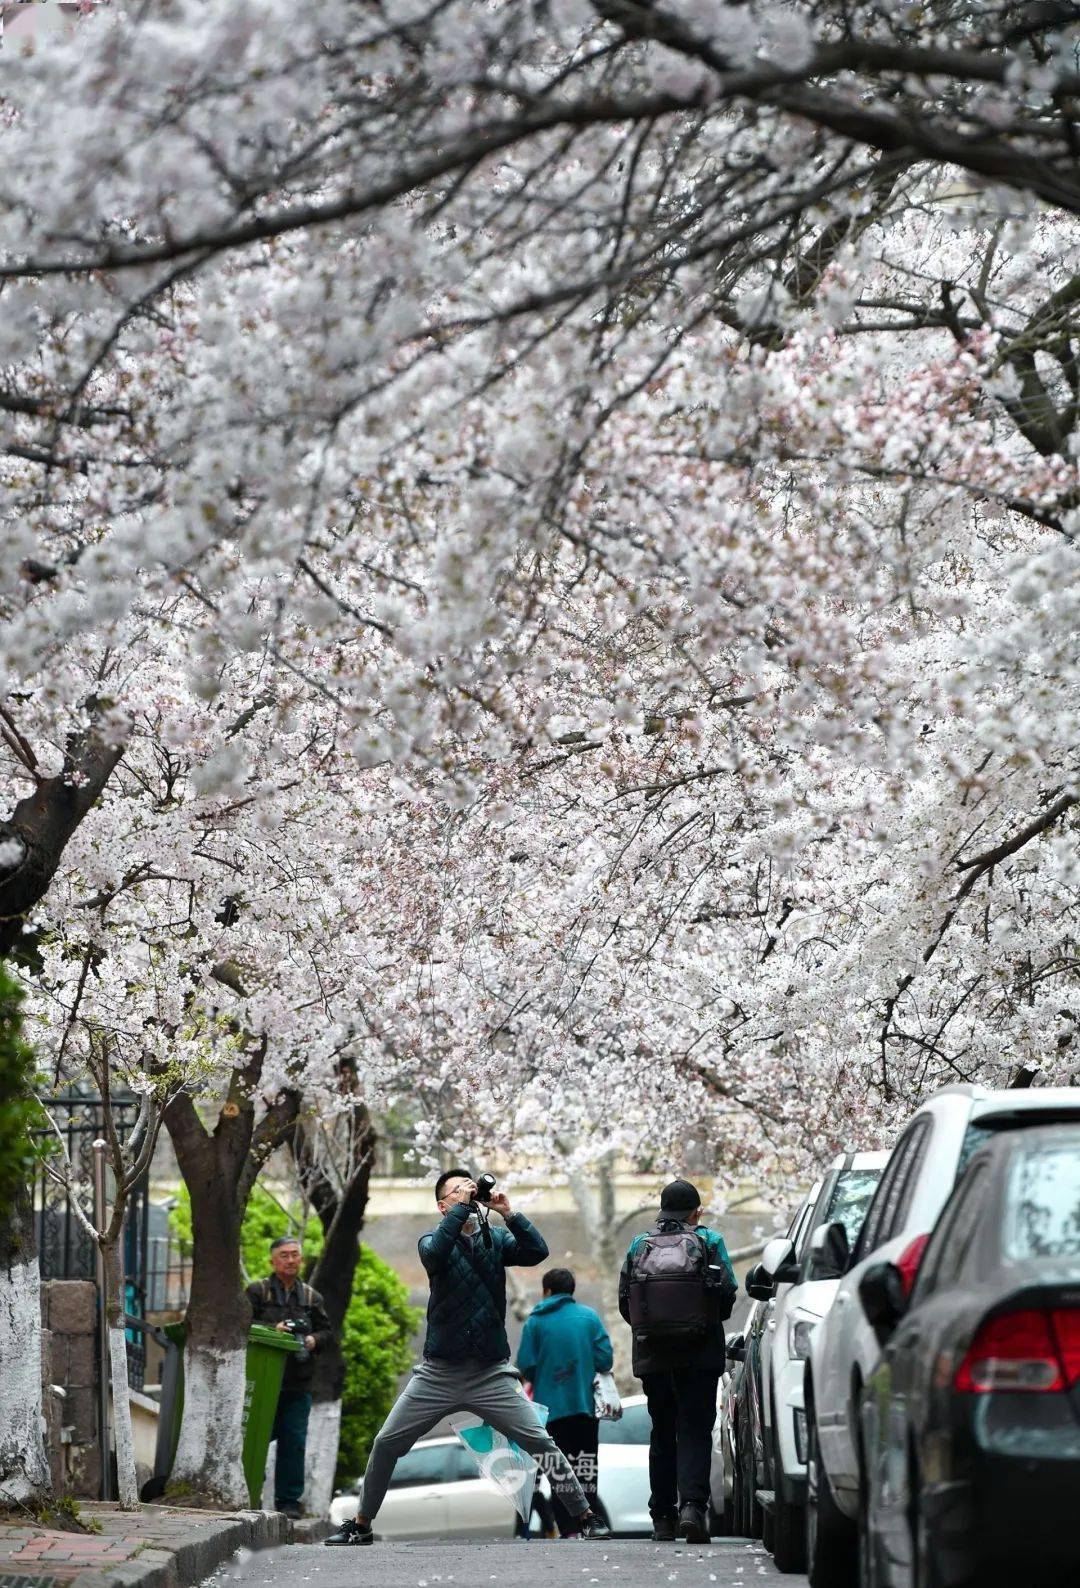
(158, 1546)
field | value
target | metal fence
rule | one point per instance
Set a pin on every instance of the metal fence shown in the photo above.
(65, 1250)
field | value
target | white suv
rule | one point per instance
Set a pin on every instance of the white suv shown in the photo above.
(921, 1172)
(843, 1196)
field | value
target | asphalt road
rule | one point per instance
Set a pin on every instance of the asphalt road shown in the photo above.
(624, 1563)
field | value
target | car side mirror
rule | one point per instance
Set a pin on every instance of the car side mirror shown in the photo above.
(735, 1348)
(759, 1284)
(830, 1254)
(779, 1262)
(881, 1293)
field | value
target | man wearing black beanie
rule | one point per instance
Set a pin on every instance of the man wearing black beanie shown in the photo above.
(676, 1287)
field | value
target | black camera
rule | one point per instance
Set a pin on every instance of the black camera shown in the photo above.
(299, 1329)
(485, 1185)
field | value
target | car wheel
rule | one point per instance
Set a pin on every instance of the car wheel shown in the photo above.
(789, 1524)
(831, 1555)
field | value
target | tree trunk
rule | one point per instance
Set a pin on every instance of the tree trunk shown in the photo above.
(42, 823)
(208, 1467)
(595, 1203)
(25, 1478)
(220, 1170)
(126, 1479)
(342, 1217)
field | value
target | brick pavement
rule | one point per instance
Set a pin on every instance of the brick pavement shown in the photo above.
(154, 1547)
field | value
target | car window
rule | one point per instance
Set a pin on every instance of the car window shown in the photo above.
(952, 1239)
(850, 1199)
(632, 1428)
(892, 1188)
(907, 1181)
(1042, 1204)
(427, 1464)
(801, 1226)
(974, 1137)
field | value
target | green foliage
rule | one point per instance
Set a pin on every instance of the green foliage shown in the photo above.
(375, 1344)
(378, 1325)
(19, 1111)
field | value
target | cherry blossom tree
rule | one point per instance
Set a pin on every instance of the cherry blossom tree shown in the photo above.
(542, 562)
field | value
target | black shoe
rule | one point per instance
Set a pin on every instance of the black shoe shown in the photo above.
(351, 1532)
(693, 1523)
(593, 1526)
(288, 1508)
(663, 1527)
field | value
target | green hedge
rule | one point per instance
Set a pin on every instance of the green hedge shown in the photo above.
(18, 1109)
(378, 1325)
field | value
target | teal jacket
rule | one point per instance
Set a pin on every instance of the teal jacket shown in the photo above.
(563, 1347)
(665, 1356)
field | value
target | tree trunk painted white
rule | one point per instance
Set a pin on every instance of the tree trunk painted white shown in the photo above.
(320, 1457)
(127, 1483)
(208, 1455)
(25, 1478)
(594, 1199)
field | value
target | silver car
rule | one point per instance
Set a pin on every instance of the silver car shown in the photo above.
(437, 1492)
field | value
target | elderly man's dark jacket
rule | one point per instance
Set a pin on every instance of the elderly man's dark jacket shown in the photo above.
(466, 1315)
(272, 1304)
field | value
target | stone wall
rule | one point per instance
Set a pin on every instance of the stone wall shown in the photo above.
(69, 1353)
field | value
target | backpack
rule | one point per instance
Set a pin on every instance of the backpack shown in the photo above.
(669, 1285)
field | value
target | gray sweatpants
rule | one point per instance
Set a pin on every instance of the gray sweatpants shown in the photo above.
(489, 1389)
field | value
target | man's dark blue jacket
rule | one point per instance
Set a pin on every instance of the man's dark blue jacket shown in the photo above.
(466, 1315)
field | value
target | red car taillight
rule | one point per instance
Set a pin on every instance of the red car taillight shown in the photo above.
(1028, 1350)
(907, 1263)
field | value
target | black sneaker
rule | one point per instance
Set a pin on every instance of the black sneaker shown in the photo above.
(663, 1528)
(693, 1523)
(289, 1508)
(593, 1526)
(351, 1532)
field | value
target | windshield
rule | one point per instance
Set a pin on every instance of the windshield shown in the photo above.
(1042, 1203)
(850, 1200)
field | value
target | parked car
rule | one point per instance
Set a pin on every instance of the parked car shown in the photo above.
(437, 1492)
(971, 1419)
(800, 1304)
(940, 1139)
(750, 1474)
(722, 1473)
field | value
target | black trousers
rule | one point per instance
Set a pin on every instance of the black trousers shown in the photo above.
(682, 1406)
(577, 1437)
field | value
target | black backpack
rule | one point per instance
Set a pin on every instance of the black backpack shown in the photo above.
(672, 1295)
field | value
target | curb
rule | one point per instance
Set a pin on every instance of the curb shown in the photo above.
(310, 1530)
(159, 1564)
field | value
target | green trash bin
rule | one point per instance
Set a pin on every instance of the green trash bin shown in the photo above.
(264, 1367)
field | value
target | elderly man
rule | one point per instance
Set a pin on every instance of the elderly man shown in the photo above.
(284, 1302)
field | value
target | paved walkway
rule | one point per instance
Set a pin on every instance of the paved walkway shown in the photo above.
(623, 1563)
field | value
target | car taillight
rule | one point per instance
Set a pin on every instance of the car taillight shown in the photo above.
(1020, 1351)
(1066, 1322)
(907, 1264)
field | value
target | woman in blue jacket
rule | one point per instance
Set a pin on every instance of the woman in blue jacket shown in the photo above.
(563, 1347)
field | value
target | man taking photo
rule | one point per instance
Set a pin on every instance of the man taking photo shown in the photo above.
(284, 1302)
(466, 1364)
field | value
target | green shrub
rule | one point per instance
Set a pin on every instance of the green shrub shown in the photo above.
(375, 1343)
(18, 1108)
(379, 1322)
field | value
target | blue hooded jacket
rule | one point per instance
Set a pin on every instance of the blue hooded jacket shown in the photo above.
(563, 1347)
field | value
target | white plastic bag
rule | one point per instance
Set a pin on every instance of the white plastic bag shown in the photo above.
(606, 1402)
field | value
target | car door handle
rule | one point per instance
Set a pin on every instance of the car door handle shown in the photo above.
(841, 1301)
